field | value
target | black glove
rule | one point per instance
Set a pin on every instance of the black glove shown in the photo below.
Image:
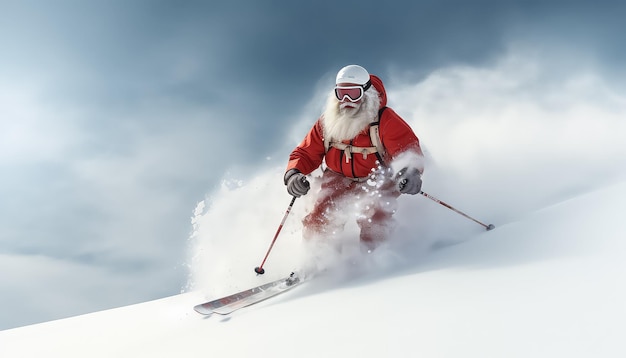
(297, 184)
(409, 181)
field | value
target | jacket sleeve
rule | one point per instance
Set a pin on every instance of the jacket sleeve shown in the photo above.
(399, 139)
(308, 155)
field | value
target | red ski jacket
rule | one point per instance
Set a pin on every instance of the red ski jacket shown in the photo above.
(395, 134)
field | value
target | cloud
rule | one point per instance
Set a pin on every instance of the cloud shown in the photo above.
(45, 288)
(110, 191)
(30, 132)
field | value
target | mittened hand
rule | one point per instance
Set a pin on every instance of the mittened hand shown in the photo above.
(297, 184)
(409, 181)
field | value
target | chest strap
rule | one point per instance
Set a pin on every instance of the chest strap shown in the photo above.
(349, 149)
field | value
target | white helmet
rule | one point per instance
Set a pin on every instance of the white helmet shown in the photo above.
(353, 74)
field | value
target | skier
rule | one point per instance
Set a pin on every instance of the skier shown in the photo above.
(372, 156)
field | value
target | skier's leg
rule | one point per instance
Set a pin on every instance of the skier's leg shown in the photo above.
(376, 221)
(322, 221)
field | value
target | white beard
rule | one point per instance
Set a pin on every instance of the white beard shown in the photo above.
(346, 123)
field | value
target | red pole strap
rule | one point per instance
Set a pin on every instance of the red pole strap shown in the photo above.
(259, 270)
(488, 227)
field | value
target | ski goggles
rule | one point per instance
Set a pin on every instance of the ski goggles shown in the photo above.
(352, 93)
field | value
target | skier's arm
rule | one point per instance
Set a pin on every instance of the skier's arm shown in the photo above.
(308, 155)
(400, 141)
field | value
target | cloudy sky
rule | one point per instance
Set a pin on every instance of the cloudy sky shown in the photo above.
(117, 118)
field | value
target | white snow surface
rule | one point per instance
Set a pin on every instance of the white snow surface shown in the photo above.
(549, 284)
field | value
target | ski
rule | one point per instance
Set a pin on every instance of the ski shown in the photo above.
(231, 303)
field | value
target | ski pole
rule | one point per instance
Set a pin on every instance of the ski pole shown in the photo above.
(488, 227)
(259, 270)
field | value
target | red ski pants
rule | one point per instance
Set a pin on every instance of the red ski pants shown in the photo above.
(371, 203)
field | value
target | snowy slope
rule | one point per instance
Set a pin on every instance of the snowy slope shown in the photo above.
(546, 284)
